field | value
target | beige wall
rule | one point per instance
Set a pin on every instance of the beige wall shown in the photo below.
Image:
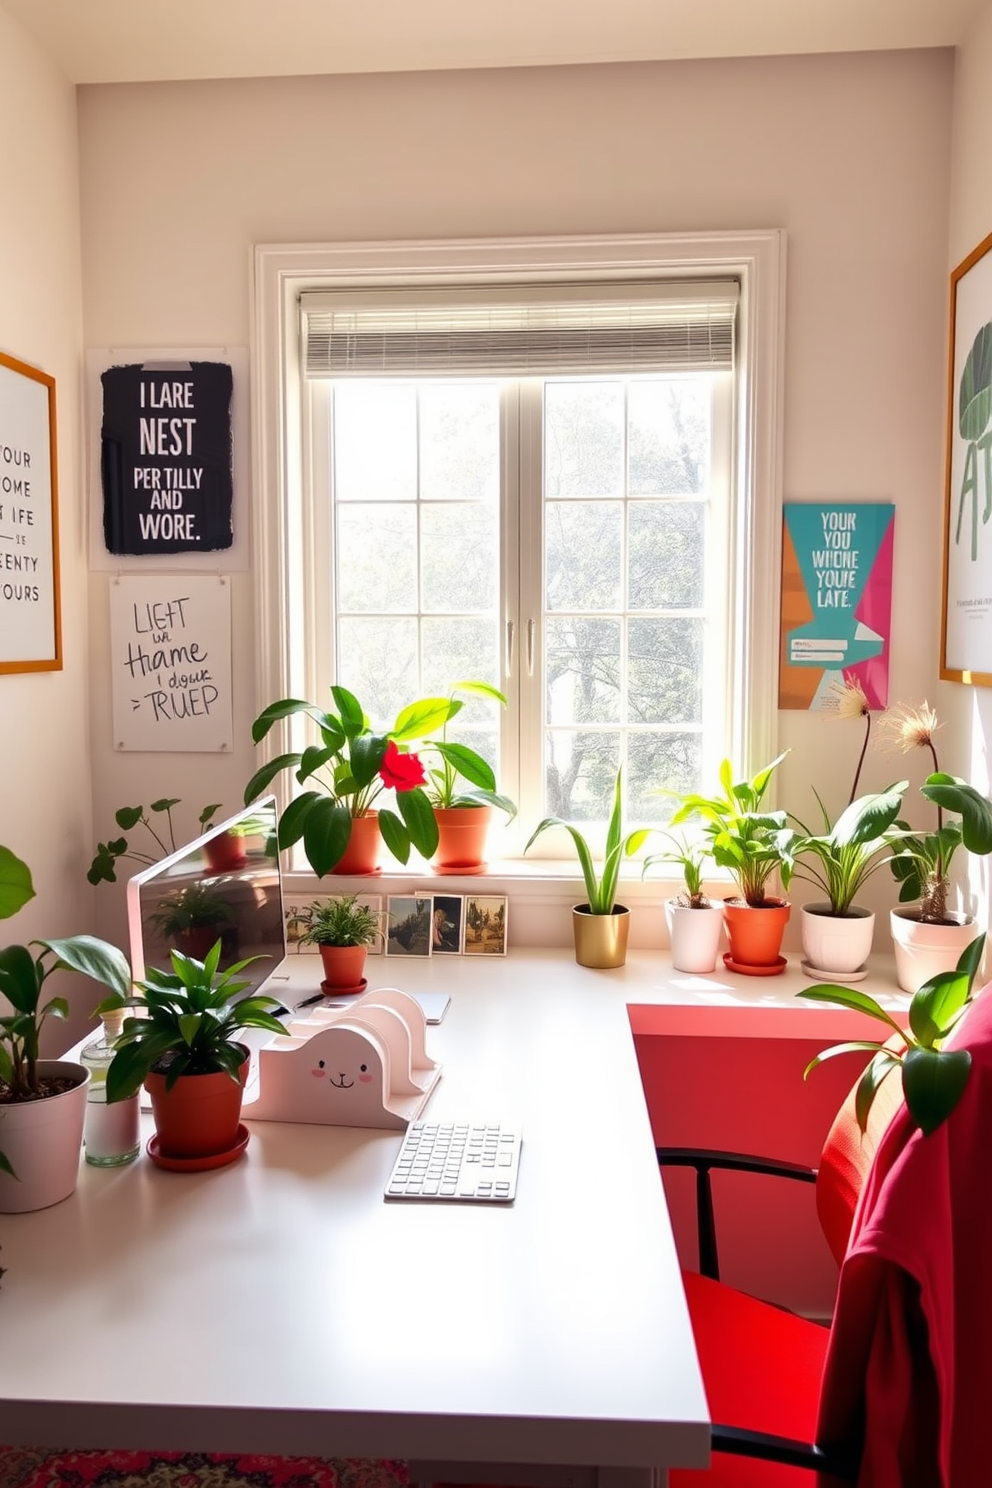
(44, 716)
(848, 154)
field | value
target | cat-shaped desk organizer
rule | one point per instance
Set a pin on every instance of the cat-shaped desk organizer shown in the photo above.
(364, 1065)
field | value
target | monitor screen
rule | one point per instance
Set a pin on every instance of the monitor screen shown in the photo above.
(226, 885)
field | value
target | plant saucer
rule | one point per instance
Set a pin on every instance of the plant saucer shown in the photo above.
(198, 1164)
(771, 968)
(834, 976)
(471, 870)
(330, 990)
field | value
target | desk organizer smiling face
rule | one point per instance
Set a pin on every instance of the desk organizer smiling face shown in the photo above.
(361, 1066)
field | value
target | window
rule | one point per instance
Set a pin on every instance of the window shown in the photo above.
(575, 526)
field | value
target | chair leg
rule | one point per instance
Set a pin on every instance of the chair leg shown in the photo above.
(709, 1263)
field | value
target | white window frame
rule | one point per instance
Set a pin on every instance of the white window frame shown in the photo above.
(282, 439)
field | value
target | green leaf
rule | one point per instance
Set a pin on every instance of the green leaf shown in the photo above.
(165, 803)
(481, 689)
(417, 812)
(5, 1167)
(975, 810)
(260, 781)
(933, 1081)
(850, 997)
(128, 817)
(313, 758)
(93, 958)
(870, 1082)
(351, 712)
(394, 835)
(421, 719)
(975, 393)
(274, 713)
(20, 979)
(16, 888)
(292, 823)
(868, 817)
(326, 834)
(853, 1046)
(971, 957)
(468, 764)
(366, 755)
(935, 1006)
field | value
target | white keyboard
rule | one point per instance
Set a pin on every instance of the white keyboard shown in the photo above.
(457, 1161)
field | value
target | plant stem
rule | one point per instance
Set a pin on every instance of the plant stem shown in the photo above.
(861, 759)
(940, 814)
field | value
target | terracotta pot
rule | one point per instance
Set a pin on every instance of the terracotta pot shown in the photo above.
(362, 853)
(197, 940)
(226, 853)
(42, 1140)
(200, 1115)
(836, 943)
(755, 932)
(344, 966)
(600, 939)
(693, 935)
(922, 950)
(462, 833)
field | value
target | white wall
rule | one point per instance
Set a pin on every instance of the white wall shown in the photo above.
(44, 716)
(849, 154)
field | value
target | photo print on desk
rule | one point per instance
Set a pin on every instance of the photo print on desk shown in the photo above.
(408, 925)
(447, 924)
(485, 924)
(298, 917)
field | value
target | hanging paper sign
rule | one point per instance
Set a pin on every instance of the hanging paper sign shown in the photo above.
(836, 601)
(166, 457)
(170, 639)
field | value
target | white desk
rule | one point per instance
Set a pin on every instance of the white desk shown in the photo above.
(279, 1305)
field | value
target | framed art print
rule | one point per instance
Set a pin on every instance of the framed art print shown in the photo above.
(966, 618)
(30, 604)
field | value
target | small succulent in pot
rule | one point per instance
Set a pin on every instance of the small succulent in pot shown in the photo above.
(341, 921)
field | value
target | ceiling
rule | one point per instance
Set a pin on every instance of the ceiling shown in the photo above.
(114, 41)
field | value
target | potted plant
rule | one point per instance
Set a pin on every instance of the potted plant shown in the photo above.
(927, 936)
(753, 844)
(185, 1051)
(462, 811)
(342, 929)
(695, 922)
(103, 867)
(600, 926)
(933, 1078)
(191, 917)
(42, 1101)
(837, 932)
(350, 766)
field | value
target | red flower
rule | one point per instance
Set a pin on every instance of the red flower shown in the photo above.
(401, 772)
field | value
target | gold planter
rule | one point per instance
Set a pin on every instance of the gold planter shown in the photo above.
(600, 939)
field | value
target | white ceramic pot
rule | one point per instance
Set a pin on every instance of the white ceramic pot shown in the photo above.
(836, 943)
(923, 950)
(694, 935)
(42, 1140)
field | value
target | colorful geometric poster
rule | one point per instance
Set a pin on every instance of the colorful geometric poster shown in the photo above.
(836, 601)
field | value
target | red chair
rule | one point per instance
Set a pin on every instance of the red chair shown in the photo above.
(894, 1394)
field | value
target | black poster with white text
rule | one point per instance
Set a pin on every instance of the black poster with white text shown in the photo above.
(166, 458)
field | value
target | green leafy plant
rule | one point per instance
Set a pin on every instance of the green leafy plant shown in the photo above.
(933, 1078)
(104, 864)
(193, 907)
(458, 762)
(350, 766)
(848, 851)
(690, 854)
(190, 1025)
(16, 888)
(601, 891)
(749, 842)
(340, 922)
(921, 860)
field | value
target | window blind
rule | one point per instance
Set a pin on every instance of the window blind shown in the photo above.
(520, 330)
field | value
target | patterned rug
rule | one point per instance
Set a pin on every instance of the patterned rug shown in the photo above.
(41, 1467)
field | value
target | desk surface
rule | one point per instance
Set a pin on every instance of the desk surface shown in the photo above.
(279, 1305)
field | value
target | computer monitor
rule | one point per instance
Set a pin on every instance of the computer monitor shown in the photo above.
(226, 885)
